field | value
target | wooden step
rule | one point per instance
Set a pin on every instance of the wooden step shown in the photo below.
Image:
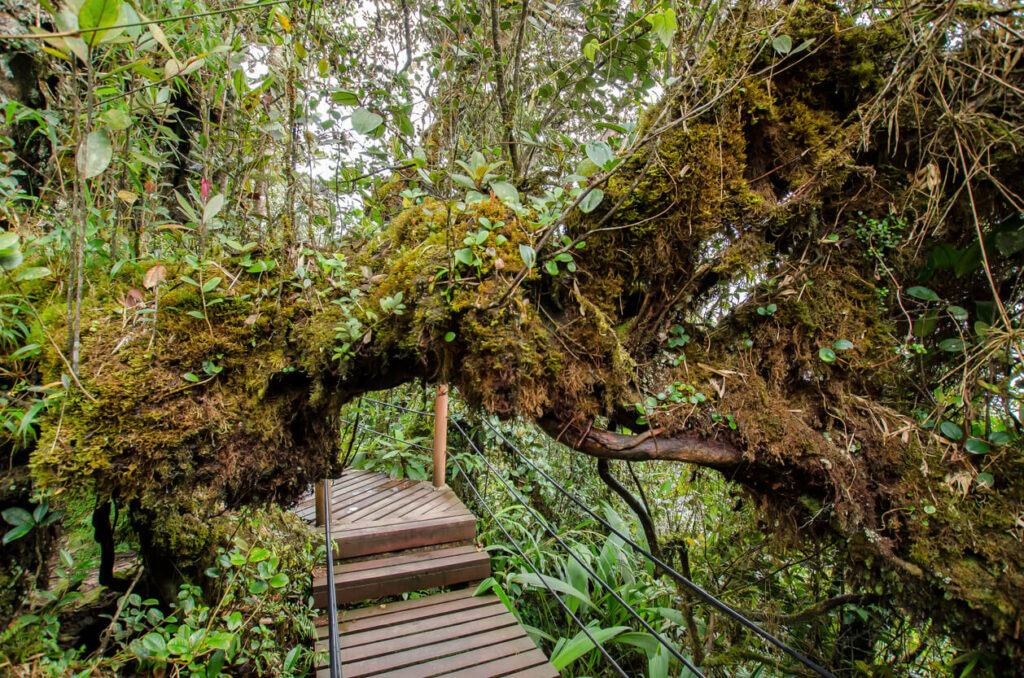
(359, 580)
(372, 513)
(453, 634)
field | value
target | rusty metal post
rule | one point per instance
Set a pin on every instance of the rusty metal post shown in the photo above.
(318, 499)
(440, 434)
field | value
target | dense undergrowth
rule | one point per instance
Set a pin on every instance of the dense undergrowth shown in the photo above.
(800, 266)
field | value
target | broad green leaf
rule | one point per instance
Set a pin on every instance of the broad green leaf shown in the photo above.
(279, 580)
(985, 480)
(999, 437)
(581, 644)
(953, 345)
(464, 256)
(8, 243)
(97, 14)
(782, 44)
(364, 121)
(555, 584)
(592, 200)
(590, 45)
(18, 516)
(842, 345)
(664, 25)
(449, 336)
(599, 153)
(213, 207)
(33, 273)
(94, 154)
(958, 312)
(827, 354)
(12, 260)
(528, 255)
(976, 446)
(188, 376)
(551, 267)
(951, 430)
(16, 533)
(922, 293)
(343, 98)
(505, 191)
(645, 641)
(258, 554)
(117, 119)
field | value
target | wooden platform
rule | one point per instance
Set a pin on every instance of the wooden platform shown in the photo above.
(454, 634)
(402, 536)
(372, 513)
(389, 576)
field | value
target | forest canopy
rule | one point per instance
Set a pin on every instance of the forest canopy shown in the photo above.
(779, 240)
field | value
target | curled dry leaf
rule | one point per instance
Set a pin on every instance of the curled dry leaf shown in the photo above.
(154, 276)
(133, 297)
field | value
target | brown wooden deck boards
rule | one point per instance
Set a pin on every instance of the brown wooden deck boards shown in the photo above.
(372, 513)
(450, 634)
(395, 536)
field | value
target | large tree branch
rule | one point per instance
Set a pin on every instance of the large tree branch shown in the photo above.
(647, 446)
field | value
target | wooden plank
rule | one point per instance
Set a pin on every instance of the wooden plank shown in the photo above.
(354, 638)
(411, 497)
(406, 605)
(348, 567)
(363, 541)
(475, 657)
(421, 655)
(425, 506)
(386, 502)
(376, 579)
(388, 618)
(354, 502)
(529, 663)
(448, 632)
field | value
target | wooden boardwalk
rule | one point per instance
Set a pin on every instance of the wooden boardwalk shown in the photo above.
(401, 536)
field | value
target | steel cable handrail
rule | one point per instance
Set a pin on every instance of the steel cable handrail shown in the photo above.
(536, 570)
(693, 587)
(708, 598)
(661, 639)
(512, 541)
(333, 641)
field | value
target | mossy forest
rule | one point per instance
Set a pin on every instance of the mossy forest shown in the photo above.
(744, 277)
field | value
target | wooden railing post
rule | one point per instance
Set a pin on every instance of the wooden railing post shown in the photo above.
(318, 500)
(440, 434)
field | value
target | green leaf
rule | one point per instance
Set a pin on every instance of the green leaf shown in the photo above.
(551, 267)
(599, 153)
(827, 354)
(581, 644)
(958, 312)
(985, 480)
(464, 256)
(922, 293)
(782, 44)
(33, 273)
(16, 533)
(188, 376)
(929, 509)
(1010, 243)
(528, 255)
(505, 191)
(590, 45)
(94, 154)
(449, 336)
(97, 14)
(953, 345)
(842, 345)
(555, 584)
(8, 243)
(976, 446)
(999, 437)
(343, 98)
(592, 200)
(211, 284)
(279, 580)
(18, 516)
(664, 25)
(258, 554)
(364, 121)
(213, 207)
(951, 430)
(258, 587)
